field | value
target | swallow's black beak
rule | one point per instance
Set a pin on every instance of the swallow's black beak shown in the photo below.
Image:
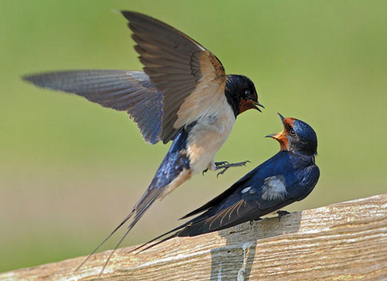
(282, 118)
(277, 136)
(256, 104)
(274, 136)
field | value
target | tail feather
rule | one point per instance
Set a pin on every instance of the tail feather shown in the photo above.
(171, 173)
(138, 211)
(104, 241)
(112, 253)
(150, 246)
(158, 237)
(144, 203)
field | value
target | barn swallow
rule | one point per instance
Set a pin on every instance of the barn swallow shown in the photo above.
(183, 95)
(288, 176)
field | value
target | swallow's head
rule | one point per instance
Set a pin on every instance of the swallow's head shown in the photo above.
(241, 94)
(296, 136)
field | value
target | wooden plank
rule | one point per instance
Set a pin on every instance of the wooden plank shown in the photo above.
(345, 241)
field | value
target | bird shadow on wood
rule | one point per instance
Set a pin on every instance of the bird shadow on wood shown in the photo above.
(235, 260)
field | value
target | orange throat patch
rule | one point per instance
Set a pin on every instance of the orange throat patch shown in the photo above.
(245, 105)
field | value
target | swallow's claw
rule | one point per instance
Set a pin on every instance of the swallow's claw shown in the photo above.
(282, 213)
(254, 220)
(204, 171)
(226, 165)
(222, 172)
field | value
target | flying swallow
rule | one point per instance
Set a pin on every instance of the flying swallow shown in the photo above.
(287, 177)
(183, 95)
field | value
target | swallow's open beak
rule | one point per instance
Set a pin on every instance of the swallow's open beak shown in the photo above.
(256, 104)
(274, 136)
(280, 137)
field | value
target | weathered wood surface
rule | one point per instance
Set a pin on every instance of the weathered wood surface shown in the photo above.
(345, 241)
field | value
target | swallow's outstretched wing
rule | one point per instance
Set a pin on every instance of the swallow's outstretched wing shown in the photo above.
(191, 78)
(122, 90)
(184, 81)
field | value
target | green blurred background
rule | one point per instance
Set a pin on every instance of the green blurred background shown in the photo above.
(71, 170)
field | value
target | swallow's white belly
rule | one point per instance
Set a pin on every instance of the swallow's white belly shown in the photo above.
(207, 137)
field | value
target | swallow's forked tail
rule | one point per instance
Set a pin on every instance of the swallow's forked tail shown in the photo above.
(138, 210)
(173, 171)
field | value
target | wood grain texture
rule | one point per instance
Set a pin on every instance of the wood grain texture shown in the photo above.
(345, 241)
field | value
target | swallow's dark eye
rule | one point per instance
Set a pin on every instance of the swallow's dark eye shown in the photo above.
(247, 93)
(290, 130)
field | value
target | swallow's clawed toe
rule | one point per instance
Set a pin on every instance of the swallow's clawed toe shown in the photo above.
(224, 166)
(282, 213)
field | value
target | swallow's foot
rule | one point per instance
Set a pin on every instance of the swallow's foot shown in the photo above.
(281, 214)
(252, 221)
(225, 166)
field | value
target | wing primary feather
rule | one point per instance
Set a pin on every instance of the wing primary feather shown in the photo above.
(118, 89)
(145, 47)
(174, 63)
(138, 17)
(79, 79)
(164, 68)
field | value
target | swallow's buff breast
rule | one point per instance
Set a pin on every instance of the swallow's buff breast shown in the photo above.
(207, 137)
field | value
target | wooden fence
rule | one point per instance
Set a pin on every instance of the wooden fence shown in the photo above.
(344, 241)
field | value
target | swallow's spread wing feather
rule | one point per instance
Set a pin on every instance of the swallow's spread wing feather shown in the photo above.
(191, 78)
(123, 90)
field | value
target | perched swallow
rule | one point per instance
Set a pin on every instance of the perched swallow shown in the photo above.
(184, 96)
(288, 176)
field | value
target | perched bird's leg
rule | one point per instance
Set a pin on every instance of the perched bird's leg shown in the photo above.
(282, 213)
(225, 166)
